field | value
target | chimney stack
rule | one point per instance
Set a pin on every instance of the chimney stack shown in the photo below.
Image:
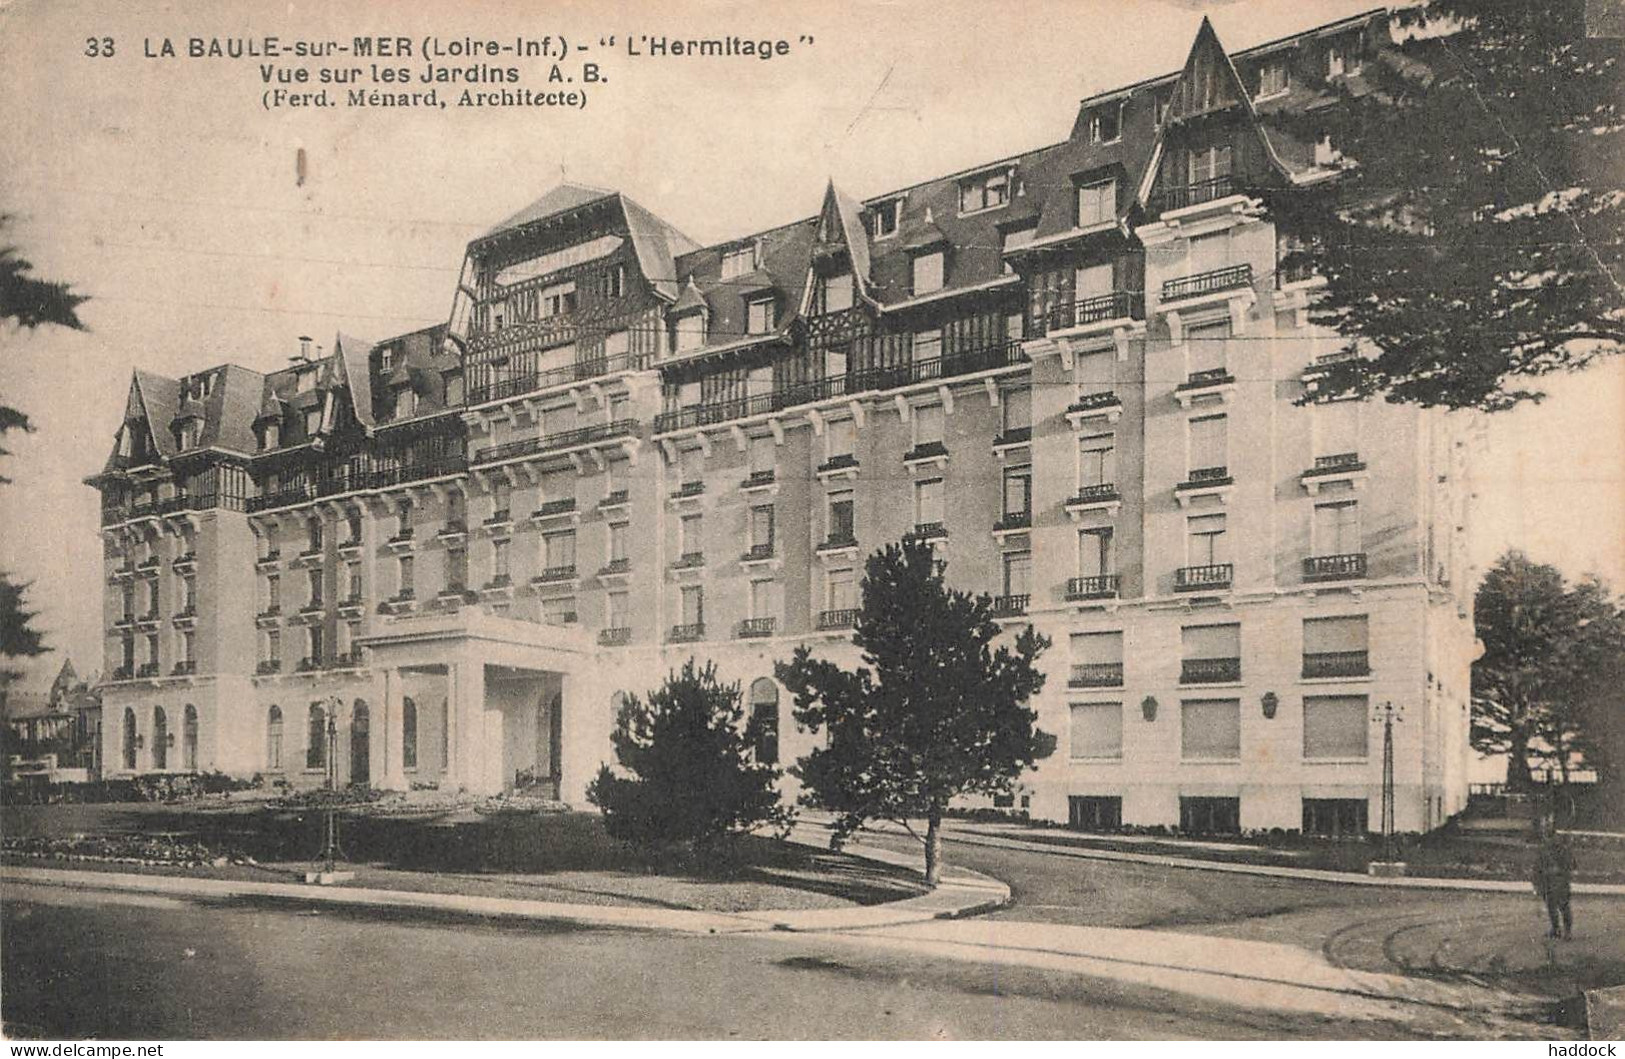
(304, 348)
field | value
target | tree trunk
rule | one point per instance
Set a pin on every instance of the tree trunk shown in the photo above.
(933, 846)
(1518, 764)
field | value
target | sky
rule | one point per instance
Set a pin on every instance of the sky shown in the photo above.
(162, 189)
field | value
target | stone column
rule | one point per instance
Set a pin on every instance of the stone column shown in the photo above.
(388, 736)
(476, 732)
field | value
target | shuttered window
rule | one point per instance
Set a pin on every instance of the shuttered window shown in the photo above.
(1328, 635)
(1335, 727)
(1095, 648)
(1207, 347)
(1210, 730)
(1337, 428)
(1210, 641)
(1097, 731)
(1208, 442)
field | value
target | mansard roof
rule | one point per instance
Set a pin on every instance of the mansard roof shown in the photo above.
(159, 398)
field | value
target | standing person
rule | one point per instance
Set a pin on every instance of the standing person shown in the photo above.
(1554, 867)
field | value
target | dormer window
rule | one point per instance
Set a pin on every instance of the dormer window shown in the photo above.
(1343, 57)
(986, 191)
(1209, 163)
(1273, 78)
(759, 316)
(1097, 202)
(386, 357)
(406, 403)
(304, 382)
(739, 261)
(884, 218)
(834, 293)
(189, 434)
(690, 331)
(270, 435)
(559, 299)
(1106, 123)
(313, 422)
(1011, 238)
(617, 281)
(928, 272)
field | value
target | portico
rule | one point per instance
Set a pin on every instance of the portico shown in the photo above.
(509, 709)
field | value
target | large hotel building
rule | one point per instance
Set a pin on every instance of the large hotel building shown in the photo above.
(1078, 372)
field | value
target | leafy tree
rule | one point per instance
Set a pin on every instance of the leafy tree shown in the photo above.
(688, 773)
(1551, 650)
(937, 711)
(29, 302)
(1473, 239)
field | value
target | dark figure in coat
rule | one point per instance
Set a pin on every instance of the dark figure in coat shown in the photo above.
(1554, 866)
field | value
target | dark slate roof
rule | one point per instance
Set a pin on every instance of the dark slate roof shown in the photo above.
(351, 357)
(160, 399)
(232, 405)
(565, 196)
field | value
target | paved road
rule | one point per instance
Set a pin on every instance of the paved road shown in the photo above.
(98, 965)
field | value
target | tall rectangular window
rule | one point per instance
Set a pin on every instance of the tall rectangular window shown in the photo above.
(1094, 552)
(842, 526)
(1336, 727)
(273, 592)
(759, 316)
(1106, 123)
(1209, 163)
(690, 535)
(617, 343)
(1336, 530)
(1207, 349)
(762, 455)
(838, 437)
(559, 550)
(840, 590)
(618, 532)
(693, 602)
(1210, 730)
(835, 293)
(763, 598)
(691, 465)
(926, 345)
(690, 331)
(1097, 203)
(928, 425)
(1273, 78)
(1097, 462)
(273, 645)
(1018, 410)
(499, 559)
(1209, 448)
(619, 610)
(761, 528)
(1018, 570)
(315, 587)
(619, 476)
(928, 272)
(1204, 540)
(928, 502)
(353, 580)
(457, 569)
(1018, 490)
(1337, 428)
(406, 574)
(1097, 731)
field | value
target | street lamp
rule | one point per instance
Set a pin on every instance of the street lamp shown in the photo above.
(1389, 715)
(332, 851)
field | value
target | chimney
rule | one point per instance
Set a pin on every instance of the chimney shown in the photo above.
(304, 348)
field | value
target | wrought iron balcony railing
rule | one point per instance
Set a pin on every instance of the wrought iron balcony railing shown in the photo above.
(751, 628)
(1210, 576)
(1195, 194)
(550, 508)
(268, 666)
(1231, 277)
(1322, 664)
(1014, 520)
(614, 498)
(618, 565)
(1095, 402)
(524, 377)
(1095, 494)
(689, 560)
(757, 479)
(1098, 586)
(1334, 567)
(1010, 606)
(839, 539)
(841, 462)
(843, 618)
(1337, 463)
(929, 450)
(687, 633)
(1096, 675)
(1210, 671)
(619, 636)
(184, 669)
(926, 531)
(1119, 305)
(758, 552)
(1201, 380)
(1201, 477)
(555, 573)
(562, 439)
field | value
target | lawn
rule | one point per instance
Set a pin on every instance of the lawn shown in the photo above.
(557, 856)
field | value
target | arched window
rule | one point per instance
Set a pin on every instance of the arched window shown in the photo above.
(160, 738)
(764, 720)
(273, 739)
(409, 733)
(189, 739)
(316, 738)
(129, 739)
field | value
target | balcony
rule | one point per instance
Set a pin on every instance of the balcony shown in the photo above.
(688, 491)
(1013, 522)
(1100, 312)
(987, 358)
(148, 620)
(1098, 586)
(1180, 197)
(1096, 675)
(350, 547)
(839, 541)
(186, 618)
(1331, 664)
(831, 620)
(1101, 497)
(499, 586)
(524, 378)
(559, 440)
(124, 673)
(184, 564)
(758, 481)
(691, 633)
(754, 628)
(926, 531)
(554, 575)
(186, 668)
(403, 602)
(563, 617)
(1350, 567)
(454, 595)
(689, 561)
(351, 606)
(615, 498)
(617, 569)
(757, 554)
(500, 521)
(1213, 281)
(1210, 671)
(1011, 606)
(1014, 438)
(550, 510)
(1338, 467)
(931, 453)
(1204, 481)
(269, 560)
(1210, 382)
(125, 620)
(453, 531)
(309, 557)
(351, 659)
(310, 664)
(1209, 578)
(146, 669)
(147, 565)
(843, 465)
(123, 572)
(617, 636)
(268, 666)
(1103, 404)
(402, 543)
(268, 618)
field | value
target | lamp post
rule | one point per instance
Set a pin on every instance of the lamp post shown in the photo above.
(1389, 714)
(332, 851)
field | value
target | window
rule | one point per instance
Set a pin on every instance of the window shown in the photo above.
(1018, 491)
(1088, 812)
(1095, 373)
(619, 476)
(273, 645)
(1273, 78)
(617, 344)
(1337, 428)
(314, 635)
(928, 272)
(1097, 731)
(353, 524)
(273, 739)
(152, 649)
(559, 610)
(617, 281)
(314, 587)
(984, 192)
(1011, 238)
(456, 569)
(353, 579)
(189, 738)
(316, 738)
(403, 518)
(1097, 464)
(690, 331)
(691, 465)
(409, 733)
(1335, 728)
(1343, 58)
(1210, 730)
(618, 532)
(840, 590)
(834, 293)
(928, 425)
(928, 502)
(1207, 350)
(501, 498)
(1106, 123)
(926, 345)
(1097, 659)
(129, 739)
(1336, 647)
(693, 603)
(835, 362)
(1208, 445)
(1018, 410)
(739, 261)
(313, 530)
(759, 316)
(1336, 529)
(763, 598)
(313, 422)
(618, 609)
(764, 721)
(558, 299)
(762, 456)
(1018, 569)
(1015, 326)
(188, 646)
(559, 550)
(499, 559)
(1209, 163)
(761, 529)
(189, 593)
(1094, 552)
(689, 535)
(1204, 540)
(1209, 815)
(883, 218)
(160, 738)
(129, 602)
(841, 524)
(1093, 281)
(1335, 816)
(406, 572)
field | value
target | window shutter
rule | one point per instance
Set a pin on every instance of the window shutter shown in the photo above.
(1097, 730)
(1096, 648)
(1335, 726)
(1210, 730)
(1329, 635)
(1211, 641)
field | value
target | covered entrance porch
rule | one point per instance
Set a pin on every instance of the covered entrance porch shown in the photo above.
(483, 704)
